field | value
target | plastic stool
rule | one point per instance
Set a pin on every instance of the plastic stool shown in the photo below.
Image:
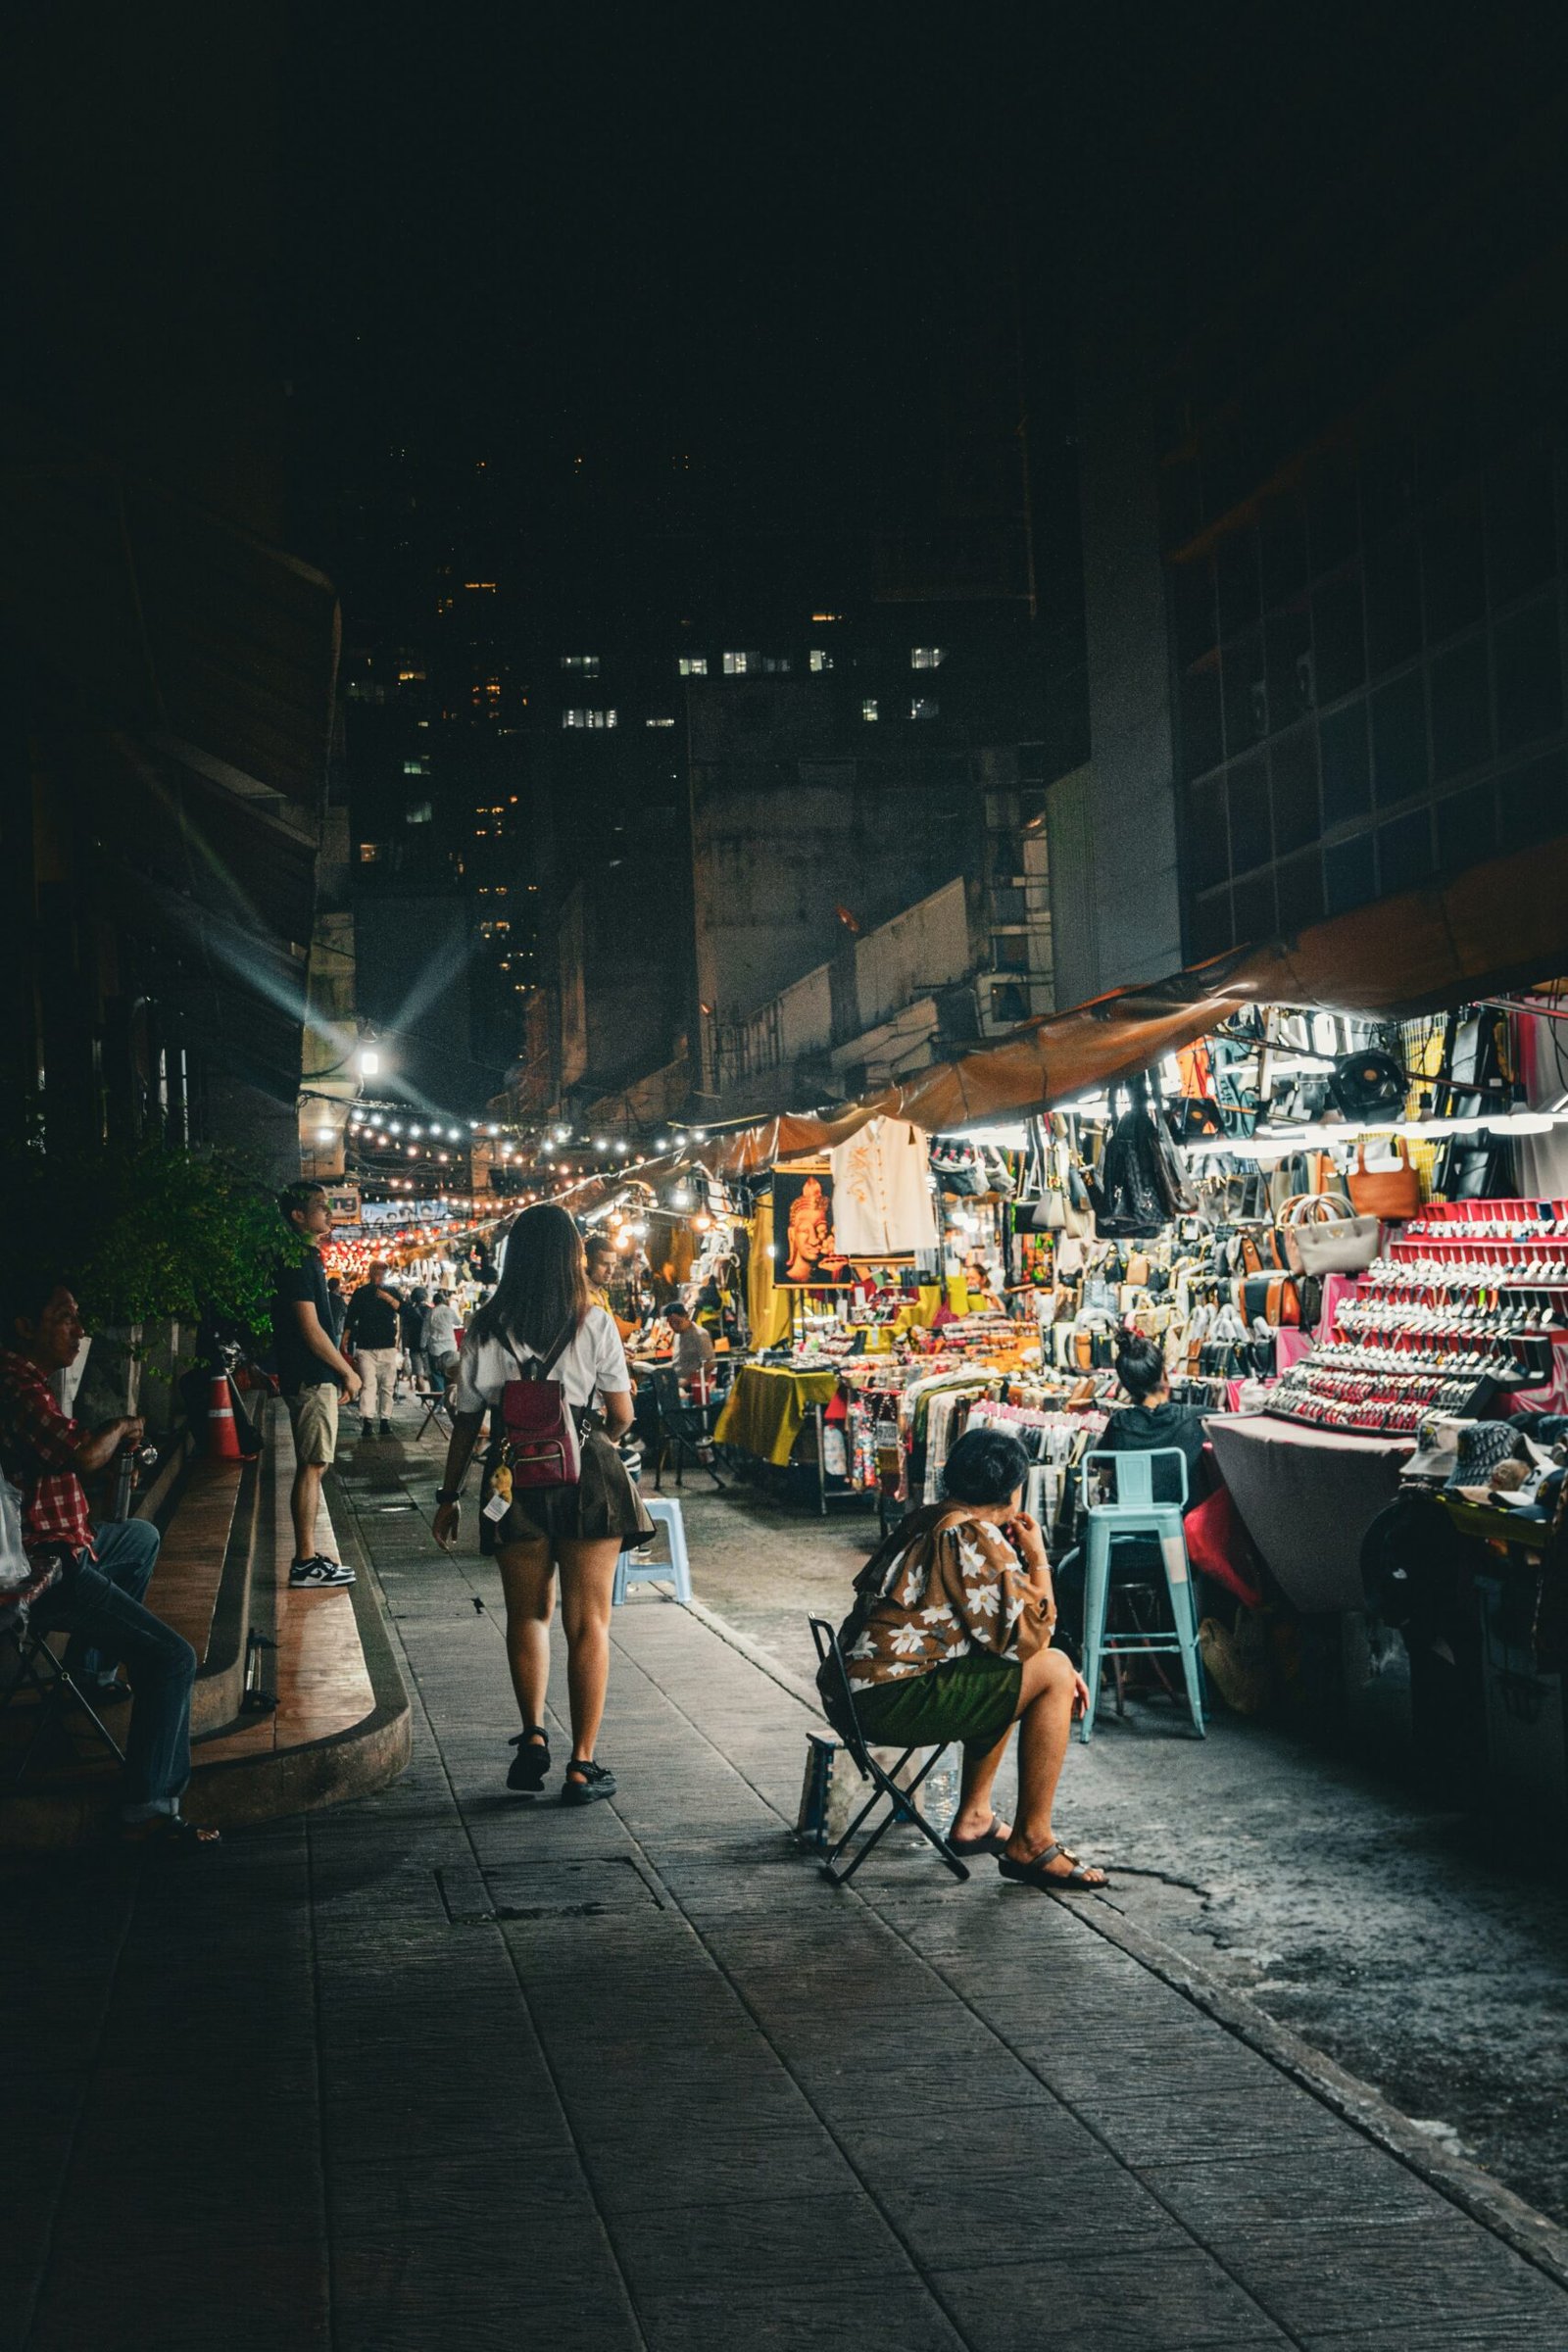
(1135, 1512)
(665, 1512)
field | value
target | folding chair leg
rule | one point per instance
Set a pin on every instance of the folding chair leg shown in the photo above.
(900, 1807)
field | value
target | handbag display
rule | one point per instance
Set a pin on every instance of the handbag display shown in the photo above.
(1130, 1174)
(1390, 1193)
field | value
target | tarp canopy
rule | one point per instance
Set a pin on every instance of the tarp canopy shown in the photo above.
(1505, 924)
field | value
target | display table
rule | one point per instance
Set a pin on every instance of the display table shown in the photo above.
(766, 1407)
(1307, 1497)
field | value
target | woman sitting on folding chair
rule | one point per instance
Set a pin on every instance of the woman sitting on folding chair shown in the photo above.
(950, 1640)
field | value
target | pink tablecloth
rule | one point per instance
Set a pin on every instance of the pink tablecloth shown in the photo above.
(1307, 1497)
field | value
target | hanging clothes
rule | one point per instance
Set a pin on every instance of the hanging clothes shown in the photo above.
(882, 1203)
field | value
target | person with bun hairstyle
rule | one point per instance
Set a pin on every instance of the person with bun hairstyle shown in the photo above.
(1149, 1422)
(950, 1640)
(542, 1308)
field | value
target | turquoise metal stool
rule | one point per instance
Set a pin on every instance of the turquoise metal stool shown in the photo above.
(665, 1512)
(1135, 1513)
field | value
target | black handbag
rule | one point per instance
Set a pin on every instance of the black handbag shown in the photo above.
(1368, 1085)
(1130, 1182)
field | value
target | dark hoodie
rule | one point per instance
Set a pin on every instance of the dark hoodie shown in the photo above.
(1140, 1428)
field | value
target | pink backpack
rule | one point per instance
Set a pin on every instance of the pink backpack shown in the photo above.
(540, 1446)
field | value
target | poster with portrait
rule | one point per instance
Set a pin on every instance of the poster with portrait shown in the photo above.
(803, 1225)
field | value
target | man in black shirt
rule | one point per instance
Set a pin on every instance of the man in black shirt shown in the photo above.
(311, 1374)
(374, 1334)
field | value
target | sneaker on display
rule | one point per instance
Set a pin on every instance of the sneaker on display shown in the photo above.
(317, 1573)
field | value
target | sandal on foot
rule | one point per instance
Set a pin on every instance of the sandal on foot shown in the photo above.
(586, 1782)
(532, 1760)
(171, 1833)
(993, 1841)
(1036, 1874)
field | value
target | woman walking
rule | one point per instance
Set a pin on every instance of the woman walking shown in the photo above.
(541, 1325)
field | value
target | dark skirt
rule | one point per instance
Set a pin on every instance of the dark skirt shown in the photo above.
(604, 1502)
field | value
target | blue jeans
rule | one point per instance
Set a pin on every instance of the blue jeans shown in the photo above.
(127, 1554)
(160, 1665)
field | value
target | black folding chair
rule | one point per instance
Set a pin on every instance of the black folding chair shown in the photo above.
(436, 1410)
(688, 1427)
(36, 1668)
(900, 1796)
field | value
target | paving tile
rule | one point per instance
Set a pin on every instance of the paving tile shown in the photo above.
(882, 2316)
(1175, 2301)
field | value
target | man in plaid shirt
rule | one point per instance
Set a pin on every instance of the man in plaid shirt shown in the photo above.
(97, 1599)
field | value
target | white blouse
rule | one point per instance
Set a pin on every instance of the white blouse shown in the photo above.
(593, 1362)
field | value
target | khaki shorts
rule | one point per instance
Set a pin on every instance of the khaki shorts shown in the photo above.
(313, 1416)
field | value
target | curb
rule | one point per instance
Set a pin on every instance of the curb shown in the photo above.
(1542, 2241)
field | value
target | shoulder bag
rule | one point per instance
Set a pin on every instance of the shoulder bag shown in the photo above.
(1390, 1193)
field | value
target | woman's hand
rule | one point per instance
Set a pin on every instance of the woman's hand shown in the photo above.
(1080, 1697)
(446, 1523)
(1026, 1539)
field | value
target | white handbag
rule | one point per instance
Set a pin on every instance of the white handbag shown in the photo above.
(1339, 1243)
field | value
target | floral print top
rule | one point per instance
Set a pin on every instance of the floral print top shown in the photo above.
(946, 1583)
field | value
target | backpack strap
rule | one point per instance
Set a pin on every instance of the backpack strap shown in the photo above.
(540, 1367)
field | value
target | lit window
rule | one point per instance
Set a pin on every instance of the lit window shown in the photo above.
(927, 657)
(820, 659)
(590, 718)
(410, 677)
(777, 665)
(659, 722)
(692, 665)
(415, 768)
(369, 851)
(827, 617)
(868, 709)
(740, 666)
(480, 587)
(922, 708)
(420, 814)
(586, 665)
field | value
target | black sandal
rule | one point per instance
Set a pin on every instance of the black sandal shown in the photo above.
(1035, 1874)
(532, 1760)
(586, 1782)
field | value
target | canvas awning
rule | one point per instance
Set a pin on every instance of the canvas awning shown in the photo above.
(1501, 924)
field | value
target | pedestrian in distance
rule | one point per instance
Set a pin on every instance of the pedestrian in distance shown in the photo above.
(412, 1323)
(541, 1324)
(337, 1298)
(441, 1339)
(312, 1374)
(374, 1333)
(949, 1640)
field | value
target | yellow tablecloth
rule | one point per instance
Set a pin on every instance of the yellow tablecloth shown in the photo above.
(766, 1406)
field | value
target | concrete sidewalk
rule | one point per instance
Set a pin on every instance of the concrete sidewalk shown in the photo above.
(451, 2068)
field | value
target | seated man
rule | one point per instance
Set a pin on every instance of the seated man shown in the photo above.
(694, 1350)
(950, 1640)
(45, 1454)
(1150, 1421)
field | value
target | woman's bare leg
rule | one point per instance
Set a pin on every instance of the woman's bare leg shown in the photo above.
(587, 1583)
(975, 1812)
(528, 1581)
(1044, 1719)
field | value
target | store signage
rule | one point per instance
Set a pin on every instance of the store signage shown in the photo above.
(343, 1201)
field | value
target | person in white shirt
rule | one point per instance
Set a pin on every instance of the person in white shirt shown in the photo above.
(694, 1349)
(542, 1314)
(441, 1337)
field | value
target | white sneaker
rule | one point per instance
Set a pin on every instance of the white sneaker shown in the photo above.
(317, 1574)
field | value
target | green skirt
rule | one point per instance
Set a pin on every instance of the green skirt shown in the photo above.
(971, 1699)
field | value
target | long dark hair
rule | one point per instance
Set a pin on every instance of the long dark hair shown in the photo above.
(543, 1281)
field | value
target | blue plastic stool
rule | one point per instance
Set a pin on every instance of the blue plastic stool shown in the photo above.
(1135, 1512)
(665, 1512)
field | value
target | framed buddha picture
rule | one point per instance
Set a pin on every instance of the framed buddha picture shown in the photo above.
(808, 1257)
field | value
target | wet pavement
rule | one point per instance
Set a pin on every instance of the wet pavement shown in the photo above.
(447, 2067)
(1422, 1947)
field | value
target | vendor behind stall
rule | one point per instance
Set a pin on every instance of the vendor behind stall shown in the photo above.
(1150, 1422)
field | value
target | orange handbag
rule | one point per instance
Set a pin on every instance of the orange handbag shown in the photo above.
(1390, 1193)
(1284, 1304)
